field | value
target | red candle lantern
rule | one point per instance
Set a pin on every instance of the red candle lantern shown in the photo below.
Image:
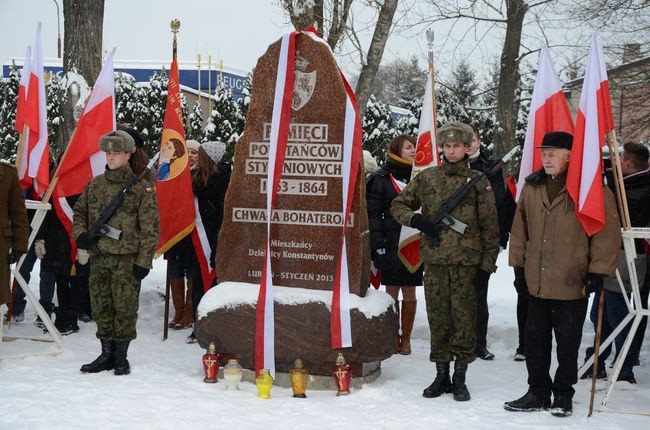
(342, 376)
(211, 362)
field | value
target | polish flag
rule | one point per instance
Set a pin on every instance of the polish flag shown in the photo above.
(549, 111)
(426, 155)
(83, 160)
(203, 251)
(594, 121)
(22, 90)
(34, 168)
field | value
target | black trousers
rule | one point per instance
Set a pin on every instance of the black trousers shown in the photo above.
(564, 319)
(482, 313)
(522, 315)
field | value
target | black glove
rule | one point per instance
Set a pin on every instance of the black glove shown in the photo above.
(84, 241)
(593, 283)
(14, 256)
(425, 226)
(140, 272)
(482, 277)
(380, 258)
(520, 281)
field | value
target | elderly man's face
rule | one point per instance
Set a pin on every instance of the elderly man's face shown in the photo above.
(555, 160)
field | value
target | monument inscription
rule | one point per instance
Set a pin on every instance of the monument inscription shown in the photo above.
(307, 221)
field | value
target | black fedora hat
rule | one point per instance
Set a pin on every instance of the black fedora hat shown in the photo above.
(557, 139)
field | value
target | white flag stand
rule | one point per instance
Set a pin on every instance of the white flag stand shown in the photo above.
(55, 336)
(634, 305)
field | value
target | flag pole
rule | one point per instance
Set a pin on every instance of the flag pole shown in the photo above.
(432, 70)
(175, 25)
(617, 174)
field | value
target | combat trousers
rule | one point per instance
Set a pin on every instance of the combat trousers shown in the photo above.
(482, 313)
(565, 319)
(451, 310)
(114, 296)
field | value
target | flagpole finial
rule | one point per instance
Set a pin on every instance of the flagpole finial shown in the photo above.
(175, 25)
(430, 37)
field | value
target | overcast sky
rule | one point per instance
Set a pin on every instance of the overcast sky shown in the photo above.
(235, 31)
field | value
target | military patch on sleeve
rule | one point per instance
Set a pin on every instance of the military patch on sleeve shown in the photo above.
(149, 189)
(488, 188)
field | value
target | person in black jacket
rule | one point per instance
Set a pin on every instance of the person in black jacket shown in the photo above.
(382, 187)
(636, 180)
(210, 181)
(505, 212)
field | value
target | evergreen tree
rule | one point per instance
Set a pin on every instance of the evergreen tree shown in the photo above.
(126, 99)
(223, 121)
(55, 96)
(150, 112)
(243, 102)
(195, 126)
(377, 128)
(8, 99)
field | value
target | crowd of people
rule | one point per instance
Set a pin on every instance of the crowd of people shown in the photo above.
(557, 266)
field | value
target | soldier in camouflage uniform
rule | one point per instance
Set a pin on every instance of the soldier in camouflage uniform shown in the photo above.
(118, 266)
(452, 265)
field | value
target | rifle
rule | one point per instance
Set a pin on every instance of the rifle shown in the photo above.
(442, 216)
(100, 227)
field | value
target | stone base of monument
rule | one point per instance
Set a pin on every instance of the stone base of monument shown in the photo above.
(226, 316)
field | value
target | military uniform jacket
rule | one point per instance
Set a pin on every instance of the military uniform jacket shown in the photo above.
(137, 216)
(548, 241)
(14, 229)
(480, 243)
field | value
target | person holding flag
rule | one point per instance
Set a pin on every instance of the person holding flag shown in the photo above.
(453, 255)
(210, 181)
(382, 187)
(560, 265)
(118, 264)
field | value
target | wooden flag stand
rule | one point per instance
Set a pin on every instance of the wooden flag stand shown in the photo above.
(54, 335)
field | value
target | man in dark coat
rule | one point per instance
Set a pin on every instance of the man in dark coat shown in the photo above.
(636, 180)
(478, 160)
(13, 221)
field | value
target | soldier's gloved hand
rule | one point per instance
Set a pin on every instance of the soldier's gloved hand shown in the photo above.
(39, 249)
(593, 283)
(140, 272)
(424, 225)
(482, 277)
(84, 241)
(82, 256)
(14, 256)
(520, 281)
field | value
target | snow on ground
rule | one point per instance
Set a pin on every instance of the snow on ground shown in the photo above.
(166, 390)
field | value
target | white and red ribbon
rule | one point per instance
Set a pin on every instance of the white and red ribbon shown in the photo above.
(284, 84)
(202, 249)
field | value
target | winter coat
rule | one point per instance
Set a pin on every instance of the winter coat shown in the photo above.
(211, 200)
(57, 245)
(13, 222)
(548, 241)
(137, 216)
(479, 245)
(637, 193)
(503, 200)
(384, 230)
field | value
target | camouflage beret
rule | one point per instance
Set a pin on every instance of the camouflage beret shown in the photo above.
(117, 141)
(455, 131)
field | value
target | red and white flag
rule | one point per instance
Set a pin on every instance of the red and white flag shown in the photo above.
(426, 155)
(34, 168)
(23, 87)
(549, 111)
(203, 250)
(264, 314)
(83, 160)
(593, 122)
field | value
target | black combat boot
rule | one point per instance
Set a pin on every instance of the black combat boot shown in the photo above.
(121, 363)
(529, 402)
(458, 387)
(441, 384)
(104, 361)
